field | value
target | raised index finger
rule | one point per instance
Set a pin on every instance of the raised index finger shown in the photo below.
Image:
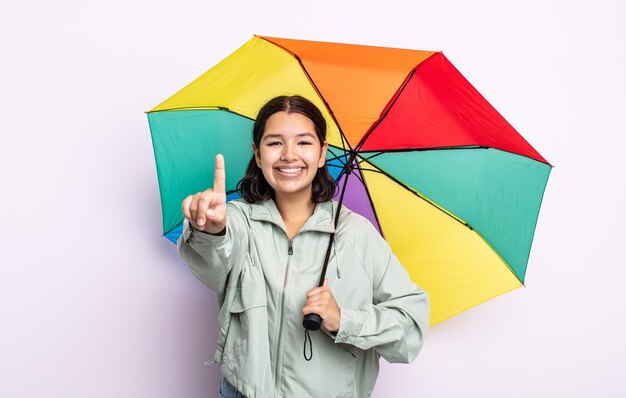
(219, 177)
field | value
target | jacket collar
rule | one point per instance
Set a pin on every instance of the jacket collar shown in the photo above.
(321, 221)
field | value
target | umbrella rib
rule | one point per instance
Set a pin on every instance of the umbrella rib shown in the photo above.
(207, 107)
(364, 158)
(359, 177)
(319, 93)
(346, 172)
(424, 198)
(439, 148)
(343, 165)
(372, 170)
(337, 157)
(369, 197)
(390, 104)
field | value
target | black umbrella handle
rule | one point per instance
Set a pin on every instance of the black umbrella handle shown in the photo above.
(312, 322)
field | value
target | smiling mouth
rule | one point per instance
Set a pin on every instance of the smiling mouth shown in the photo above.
(290, 171)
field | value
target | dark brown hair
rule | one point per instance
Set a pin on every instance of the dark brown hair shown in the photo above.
(253, 187)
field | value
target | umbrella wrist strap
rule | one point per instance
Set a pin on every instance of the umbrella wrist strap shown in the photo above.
(307, 341)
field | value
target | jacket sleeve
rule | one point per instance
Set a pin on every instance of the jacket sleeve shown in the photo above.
(210, 256)
(396, 323)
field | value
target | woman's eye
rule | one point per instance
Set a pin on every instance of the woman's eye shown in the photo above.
(272, 143)
(305, 143)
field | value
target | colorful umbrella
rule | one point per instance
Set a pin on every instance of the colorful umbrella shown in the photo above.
(449, 183)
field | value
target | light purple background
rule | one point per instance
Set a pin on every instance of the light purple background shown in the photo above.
(94, 303)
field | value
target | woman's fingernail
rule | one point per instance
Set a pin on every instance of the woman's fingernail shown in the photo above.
(201, 222)
(210, 213)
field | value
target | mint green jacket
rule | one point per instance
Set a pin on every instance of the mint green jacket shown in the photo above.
(261, 278)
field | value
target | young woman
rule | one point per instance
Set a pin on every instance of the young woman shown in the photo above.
(263, 256)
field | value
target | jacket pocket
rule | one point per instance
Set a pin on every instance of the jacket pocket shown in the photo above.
(248, 297)
(246, 304)
(245, 353)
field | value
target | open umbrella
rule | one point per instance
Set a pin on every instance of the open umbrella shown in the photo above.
(454, 189)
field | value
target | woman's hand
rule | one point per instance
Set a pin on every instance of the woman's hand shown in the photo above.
(321, 301)
(206, 211)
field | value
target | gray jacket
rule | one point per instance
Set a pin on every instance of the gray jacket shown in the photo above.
(261, 278)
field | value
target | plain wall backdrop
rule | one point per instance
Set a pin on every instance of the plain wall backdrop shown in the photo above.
(95, 303)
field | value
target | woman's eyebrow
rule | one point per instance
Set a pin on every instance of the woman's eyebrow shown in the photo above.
(277, 135)
(269, 136)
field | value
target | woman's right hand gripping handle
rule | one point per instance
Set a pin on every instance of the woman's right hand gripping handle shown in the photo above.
(206, 211)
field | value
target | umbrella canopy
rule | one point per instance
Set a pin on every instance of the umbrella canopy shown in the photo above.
(449, 183)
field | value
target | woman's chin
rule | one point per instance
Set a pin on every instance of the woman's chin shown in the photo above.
(287, 190)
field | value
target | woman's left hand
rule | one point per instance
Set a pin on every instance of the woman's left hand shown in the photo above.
(321, 301)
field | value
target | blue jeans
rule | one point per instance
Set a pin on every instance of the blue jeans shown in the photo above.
(226, 390)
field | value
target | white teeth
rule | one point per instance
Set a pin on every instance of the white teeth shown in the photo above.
(290, 170)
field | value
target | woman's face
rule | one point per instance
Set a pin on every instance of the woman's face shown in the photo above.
(290, 153)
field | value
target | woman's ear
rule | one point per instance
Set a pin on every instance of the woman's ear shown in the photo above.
(257, 155)
(322, 160)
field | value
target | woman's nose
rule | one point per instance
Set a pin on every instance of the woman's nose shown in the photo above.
(290, 153)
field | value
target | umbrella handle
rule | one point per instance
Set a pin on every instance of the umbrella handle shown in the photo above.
(312, 322)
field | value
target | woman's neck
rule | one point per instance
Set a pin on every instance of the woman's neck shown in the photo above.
(295, 210)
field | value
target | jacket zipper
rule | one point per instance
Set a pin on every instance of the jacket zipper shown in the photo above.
(280, 319)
